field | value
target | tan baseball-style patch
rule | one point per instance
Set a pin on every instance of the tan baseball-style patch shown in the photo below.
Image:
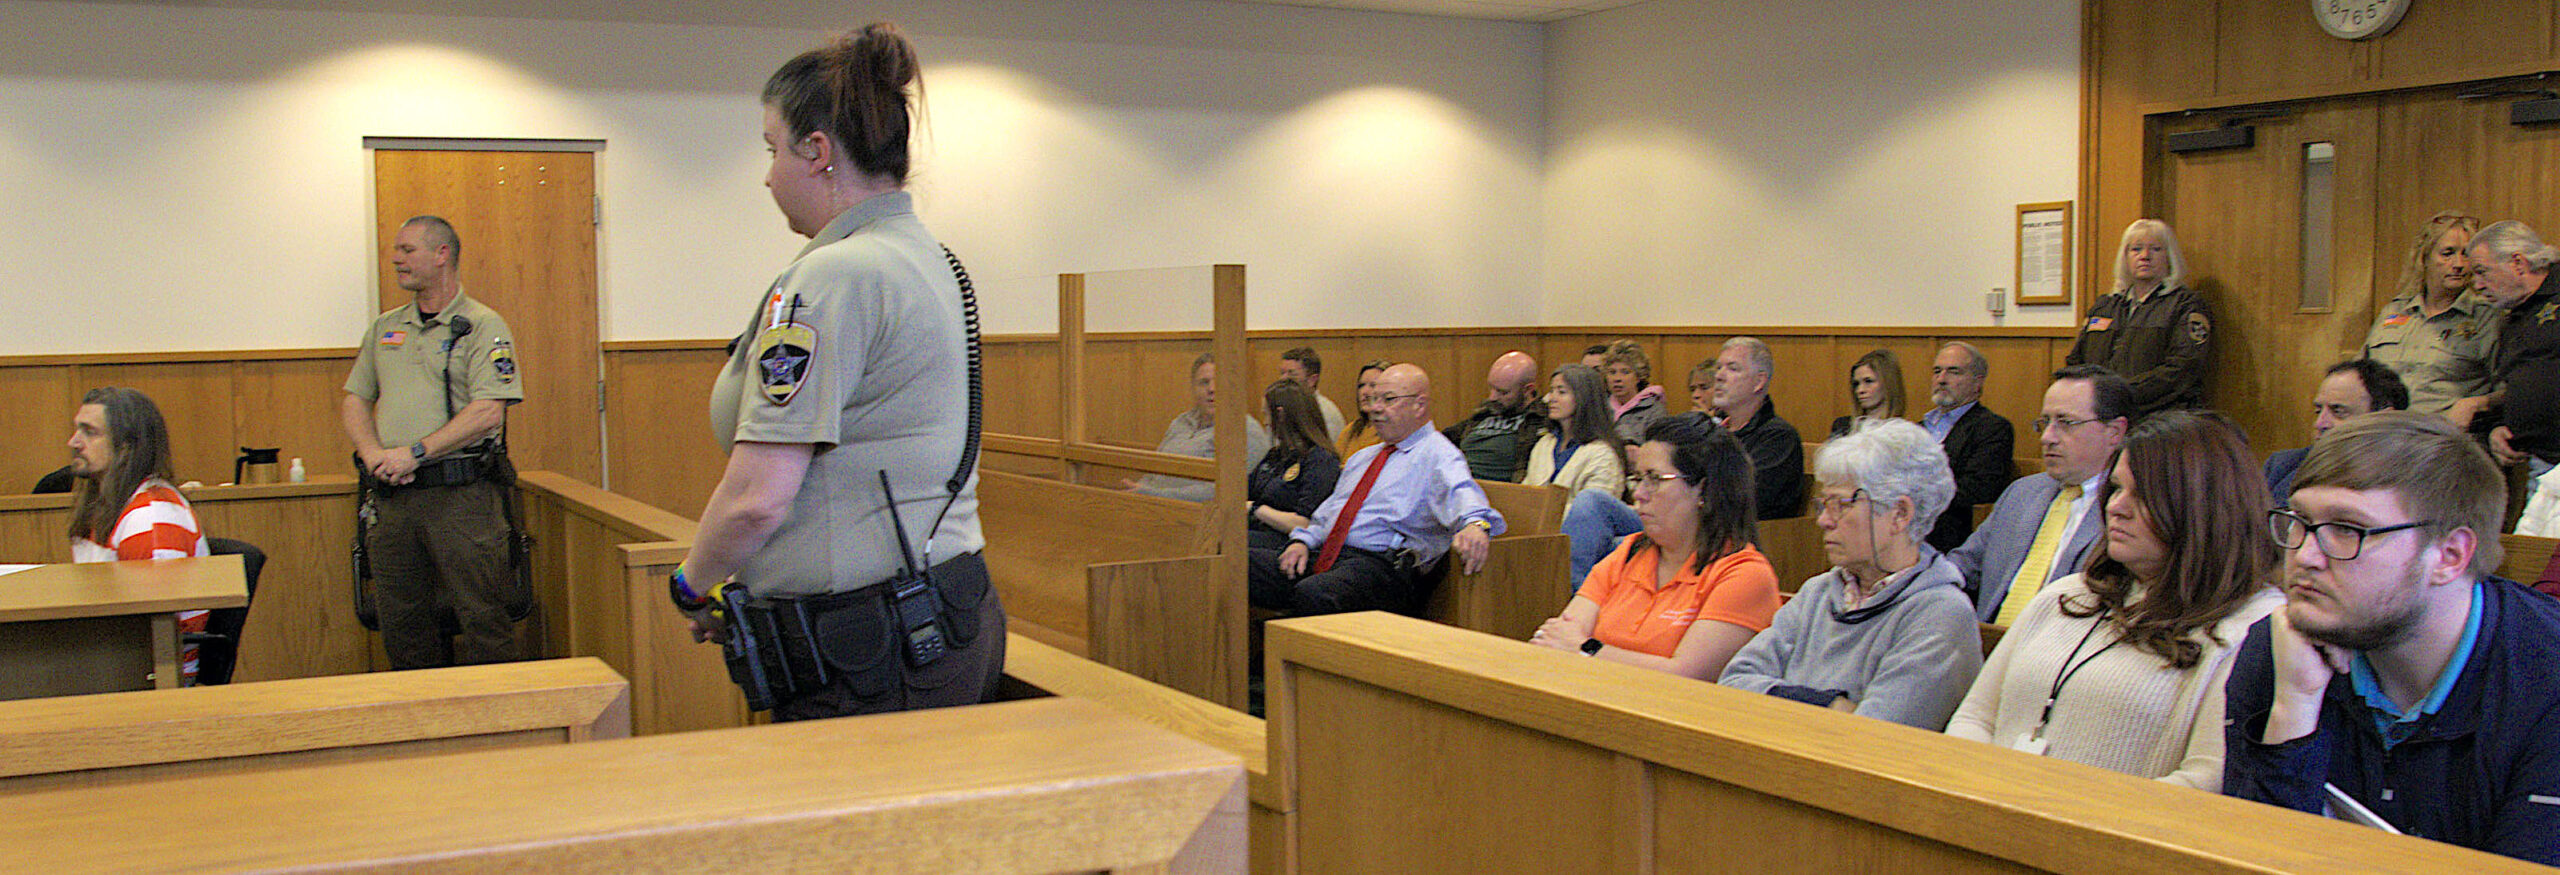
(2198, 327)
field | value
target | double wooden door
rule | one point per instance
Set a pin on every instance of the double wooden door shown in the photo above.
(2299, 239)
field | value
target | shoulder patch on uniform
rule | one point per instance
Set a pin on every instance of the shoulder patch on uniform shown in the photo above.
(783, 356)
(2395, 320)
(504, 359)
(2198, 327)
(2100, 323)
(394, 337)
(2549, 311)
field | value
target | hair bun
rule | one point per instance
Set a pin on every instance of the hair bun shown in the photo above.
(883, 52)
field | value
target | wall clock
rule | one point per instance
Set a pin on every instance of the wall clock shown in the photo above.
(2358, 19)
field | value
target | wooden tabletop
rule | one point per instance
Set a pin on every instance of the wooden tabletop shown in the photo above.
(1038, 785)
(108, 589)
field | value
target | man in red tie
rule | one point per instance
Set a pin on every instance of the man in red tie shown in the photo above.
(1399, 507)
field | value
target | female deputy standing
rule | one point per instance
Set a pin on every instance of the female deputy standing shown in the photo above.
(2152, 329)
(846, 409)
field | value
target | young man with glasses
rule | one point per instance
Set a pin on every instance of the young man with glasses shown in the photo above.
(2401, 673)
(2044, 523)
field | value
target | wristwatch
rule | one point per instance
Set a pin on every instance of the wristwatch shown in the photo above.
(1486, 525)
(419, 448)
(1591, 647)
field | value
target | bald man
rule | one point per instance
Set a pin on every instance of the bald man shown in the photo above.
(1398, 508)
(1496, 440)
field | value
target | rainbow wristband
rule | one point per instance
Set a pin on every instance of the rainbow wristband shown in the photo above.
(681, 592)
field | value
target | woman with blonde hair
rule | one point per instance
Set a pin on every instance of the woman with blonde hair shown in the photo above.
(1362, 434)
(2152, 329)
(2437, 333)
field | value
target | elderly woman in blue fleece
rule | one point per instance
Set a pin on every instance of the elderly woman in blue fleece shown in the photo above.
(1888, 631)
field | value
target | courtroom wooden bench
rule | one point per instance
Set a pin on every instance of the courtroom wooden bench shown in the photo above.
(2526, 557)
(1035, 669)
(1043, 534)
(1052, 785)
(1406, 746)
(112, 738)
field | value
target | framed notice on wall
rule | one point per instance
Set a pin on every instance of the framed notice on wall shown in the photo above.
(2044, 253)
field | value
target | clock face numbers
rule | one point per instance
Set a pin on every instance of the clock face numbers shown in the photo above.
(2358, 19)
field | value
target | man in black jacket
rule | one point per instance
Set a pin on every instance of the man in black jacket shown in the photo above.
(1497, 438)
(1978, 441)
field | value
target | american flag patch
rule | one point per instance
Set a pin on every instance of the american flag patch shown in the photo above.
(394, 337)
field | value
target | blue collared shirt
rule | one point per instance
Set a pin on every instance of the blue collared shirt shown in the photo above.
(2395, 726)
(1422, 496)
(1939, 422)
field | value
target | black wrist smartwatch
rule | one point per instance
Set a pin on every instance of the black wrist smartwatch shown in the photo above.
(1591, 647)
(420, 449)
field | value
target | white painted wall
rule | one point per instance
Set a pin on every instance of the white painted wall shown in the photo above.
(192, 177)
(1801, 162)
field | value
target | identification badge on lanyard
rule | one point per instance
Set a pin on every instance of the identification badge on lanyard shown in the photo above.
(2032, 741)
(785, 350)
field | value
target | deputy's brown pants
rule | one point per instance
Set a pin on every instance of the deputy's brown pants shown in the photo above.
(442, 545)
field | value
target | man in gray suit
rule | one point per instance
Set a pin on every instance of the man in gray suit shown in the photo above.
(2086, 413)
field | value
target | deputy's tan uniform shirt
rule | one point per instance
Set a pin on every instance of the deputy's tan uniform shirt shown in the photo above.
(882, 386)
(400, 366)
(2443, 358)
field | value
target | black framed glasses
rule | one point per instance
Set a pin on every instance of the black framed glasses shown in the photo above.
(2339, 541)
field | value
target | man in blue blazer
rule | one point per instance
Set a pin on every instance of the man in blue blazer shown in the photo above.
(2087, 410)
(2351, 388)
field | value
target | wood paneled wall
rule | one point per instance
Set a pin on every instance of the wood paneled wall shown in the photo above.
(662, 453)
(658, 446)
(215, 402)
(2408, 144)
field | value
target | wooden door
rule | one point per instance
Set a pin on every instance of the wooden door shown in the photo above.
(527, 224)
(2240, 216)
(2399, 158)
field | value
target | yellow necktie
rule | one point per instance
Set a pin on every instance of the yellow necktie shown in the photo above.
(2022, 589)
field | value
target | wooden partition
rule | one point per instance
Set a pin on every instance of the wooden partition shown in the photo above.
(1054, 785)
(1035, 669)
(115, 738)
(1402, 746)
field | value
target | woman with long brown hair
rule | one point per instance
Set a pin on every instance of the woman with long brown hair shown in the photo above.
(1297, 474)
(2122, 666)
(1875, 390)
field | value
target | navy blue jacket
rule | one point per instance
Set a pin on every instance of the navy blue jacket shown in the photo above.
(2482, 772)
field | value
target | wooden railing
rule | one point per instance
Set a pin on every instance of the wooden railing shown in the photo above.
(1407, 746)
(115, 738)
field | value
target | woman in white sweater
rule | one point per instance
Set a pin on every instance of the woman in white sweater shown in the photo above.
(2122, 666)
(1580, 449)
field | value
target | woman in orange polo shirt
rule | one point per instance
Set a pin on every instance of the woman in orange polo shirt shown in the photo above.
(1687, 592)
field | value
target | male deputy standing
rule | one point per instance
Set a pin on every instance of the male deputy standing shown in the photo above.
(424, 403)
